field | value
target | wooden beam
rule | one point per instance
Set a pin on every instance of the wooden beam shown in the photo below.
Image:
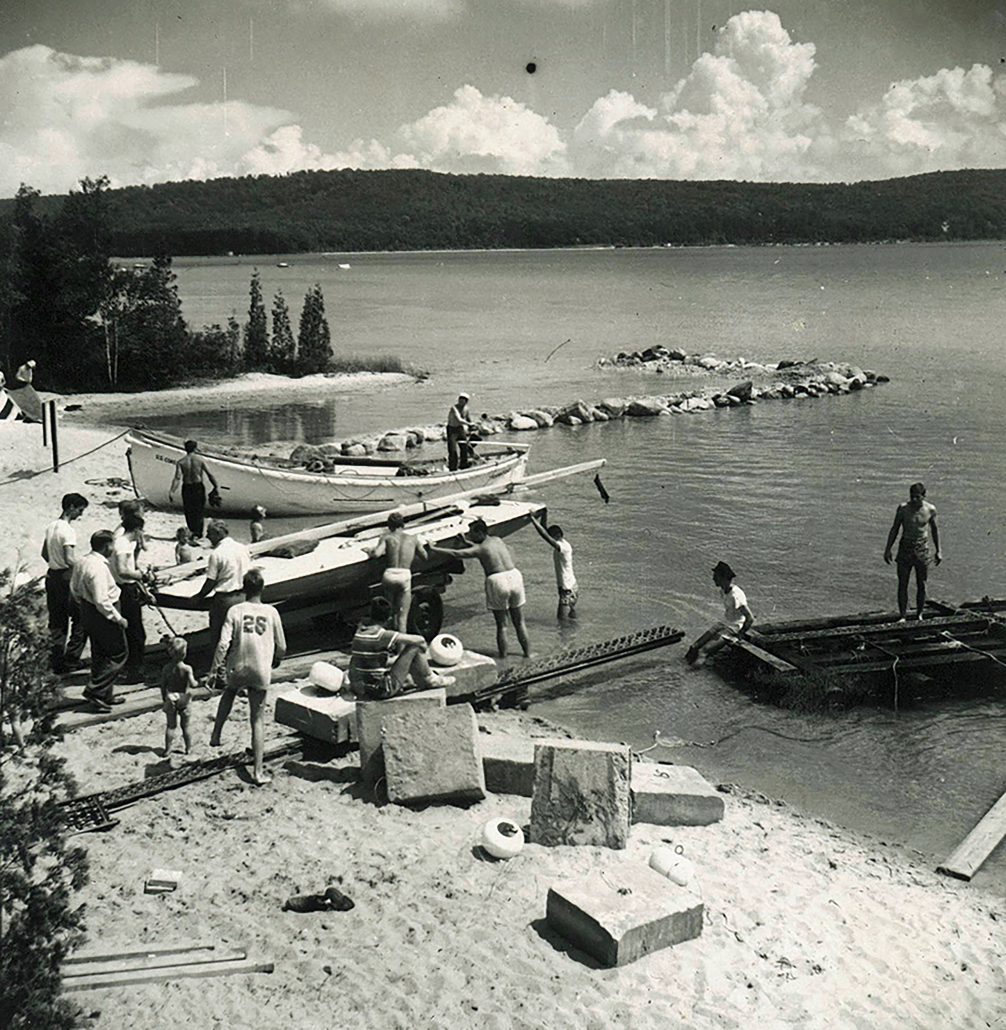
(896, 629)
(959, 657)
(150, 702)
(765, 657)
(204, 969)
(978, 844)
(139, 949)
(143, 963)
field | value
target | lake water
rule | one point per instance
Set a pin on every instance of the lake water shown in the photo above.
(797, 496)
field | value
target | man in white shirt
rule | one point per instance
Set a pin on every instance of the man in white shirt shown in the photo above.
(133, 595)
(60, 553)
(97, 594)
(225, 571)
(737, 617)
(251, 645)
(562, 559)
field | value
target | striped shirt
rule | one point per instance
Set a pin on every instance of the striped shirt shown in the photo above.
(371, 649)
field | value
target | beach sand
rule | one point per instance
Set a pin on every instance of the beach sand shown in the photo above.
(807, 925)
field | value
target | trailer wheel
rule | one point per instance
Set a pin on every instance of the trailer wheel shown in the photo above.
(426, 613)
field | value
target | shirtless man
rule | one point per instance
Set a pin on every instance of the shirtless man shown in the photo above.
(504, 583)
(459, 424)
(914, 519)
(400, 548)
(189, 472)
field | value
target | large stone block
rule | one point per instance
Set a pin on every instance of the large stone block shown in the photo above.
(317, 713)
(472, 673)
(623, 914)
(370, 716)
(673, 795)
(508, 763)
(432, 754)
(581, 793)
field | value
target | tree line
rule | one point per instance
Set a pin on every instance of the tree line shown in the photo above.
(415, 210)
(93, 324)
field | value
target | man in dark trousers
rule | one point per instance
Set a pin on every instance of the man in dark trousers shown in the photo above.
(189, 472)
(458, 424)
(60, 553)
(95, 591)
(133, 594)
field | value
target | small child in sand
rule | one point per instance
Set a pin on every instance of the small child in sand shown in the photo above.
(186, 548)
(177, 682)
(256, 528)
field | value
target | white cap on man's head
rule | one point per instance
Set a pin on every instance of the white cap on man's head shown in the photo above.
(464, 396)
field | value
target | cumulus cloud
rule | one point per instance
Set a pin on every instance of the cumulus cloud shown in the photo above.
(67, 117)
(953, 119)
(740, 113)
(476, 133)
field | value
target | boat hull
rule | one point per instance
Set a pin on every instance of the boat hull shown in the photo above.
(339, 569)
(350, 490)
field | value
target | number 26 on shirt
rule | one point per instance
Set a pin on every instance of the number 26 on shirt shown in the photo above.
(254, 624)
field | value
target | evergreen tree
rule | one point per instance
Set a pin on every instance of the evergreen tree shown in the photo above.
(284, 347)
(314, 341)
(256, 357)
(39, 871)
(235, 355)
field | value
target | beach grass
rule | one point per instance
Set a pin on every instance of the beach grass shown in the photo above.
(351, 363)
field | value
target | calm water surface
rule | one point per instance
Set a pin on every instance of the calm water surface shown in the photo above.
(797, 496)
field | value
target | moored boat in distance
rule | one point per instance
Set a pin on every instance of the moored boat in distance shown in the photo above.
(353, 485)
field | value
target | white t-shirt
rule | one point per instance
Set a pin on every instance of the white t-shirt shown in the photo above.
(58, 536)
(562, 559)
(733, 600)
(251, 633)
(227, 564)
(123, 557)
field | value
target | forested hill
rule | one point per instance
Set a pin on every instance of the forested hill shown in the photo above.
(416, 210)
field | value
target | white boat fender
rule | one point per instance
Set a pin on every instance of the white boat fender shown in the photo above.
(446, 649)
(502, 838)
(672, 863)
(326, 676)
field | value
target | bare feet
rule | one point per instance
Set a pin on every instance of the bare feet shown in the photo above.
(262, 781)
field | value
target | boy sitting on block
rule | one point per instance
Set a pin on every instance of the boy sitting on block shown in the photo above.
(373, 673)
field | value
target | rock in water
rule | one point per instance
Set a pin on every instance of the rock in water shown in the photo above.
(742, 391)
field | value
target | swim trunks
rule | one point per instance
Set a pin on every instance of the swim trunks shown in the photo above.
(397, 578)
(505, 590)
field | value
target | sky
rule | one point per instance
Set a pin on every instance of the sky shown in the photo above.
(148, 91)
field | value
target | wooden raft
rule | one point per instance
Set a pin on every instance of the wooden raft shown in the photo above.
(869, 643)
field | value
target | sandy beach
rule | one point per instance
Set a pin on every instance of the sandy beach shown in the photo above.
(807, 925)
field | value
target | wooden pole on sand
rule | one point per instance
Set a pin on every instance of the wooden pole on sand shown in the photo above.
(45, 426)
(53, 433)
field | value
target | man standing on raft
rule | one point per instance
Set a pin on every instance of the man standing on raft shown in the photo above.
(504, 582)
(914, 519)
(401, 549)
(189, 472)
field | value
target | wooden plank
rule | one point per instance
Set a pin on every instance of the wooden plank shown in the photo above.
(959, 657)
(978, 844)
(897, 630)
(138, 949)
(75, 720)
(141, 963)
(812, 625)
(205, 969)
(763, 656)
(349, 526)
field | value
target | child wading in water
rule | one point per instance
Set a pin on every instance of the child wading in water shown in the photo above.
(256, 528)
(177, 682)
(562, 558)
(251, 644)
(186, 548)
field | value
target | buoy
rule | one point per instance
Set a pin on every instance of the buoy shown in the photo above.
(672, 863)
(326, 676)
(502, 838)
(446, 649)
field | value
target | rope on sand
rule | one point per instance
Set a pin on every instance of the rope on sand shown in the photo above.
(31, 473)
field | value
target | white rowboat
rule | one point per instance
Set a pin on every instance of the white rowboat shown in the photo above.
(353, 486)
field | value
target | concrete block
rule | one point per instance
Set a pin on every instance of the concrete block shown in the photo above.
(623, 914)
(581, 793)
(472, 673)
(370, 716)
(325, 716)
(673, 795)
(432, 754)
(508, 763)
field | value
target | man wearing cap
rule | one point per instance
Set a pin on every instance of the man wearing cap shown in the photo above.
(737, 617)
(458, 424)
(25, 374)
